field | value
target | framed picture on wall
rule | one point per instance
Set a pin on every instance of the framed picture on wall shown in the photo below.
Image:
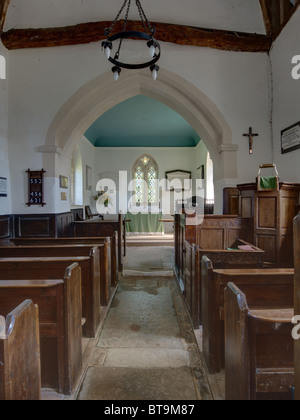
(201, 172)
(290, 139)
(88, 178)
(3, 187)
(63, 182)
(178, 179)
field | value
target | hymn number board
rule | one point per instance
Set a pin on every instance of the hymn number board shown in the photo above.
(35, 188)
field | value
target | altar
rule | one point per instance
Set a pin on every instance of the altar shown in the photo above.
(144, 223)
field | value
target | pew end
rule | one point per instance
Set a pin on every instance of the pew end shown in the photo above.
(20, 371)
(259, 350)
(60, 316)
(237, 378)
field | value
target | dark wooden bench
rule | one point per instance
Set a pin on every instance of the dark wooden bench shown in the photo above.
(16, 268)
(96, 228)
(108, 249)
(259, 350)
(56, 249)
(239, 254)
(213, 286)
(59, 303)
(20, 367)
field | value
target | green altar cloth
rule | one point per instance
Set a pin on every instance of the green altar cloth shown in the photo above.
(268, 183)
(144, 223)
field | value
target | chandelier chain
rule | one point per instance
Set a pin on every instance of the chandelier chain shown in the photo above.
(144, 18)
(109, 30)
(134, 33)
(124, 28)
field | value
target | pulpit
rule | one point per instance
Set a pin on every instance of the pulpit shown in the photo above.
(272, 213)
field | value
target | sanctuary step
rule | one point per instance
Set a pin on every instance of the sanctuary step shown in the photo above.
(150, 240)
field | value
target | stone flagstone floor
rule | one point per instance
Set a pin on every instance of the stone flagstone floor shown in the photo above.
(147, 349)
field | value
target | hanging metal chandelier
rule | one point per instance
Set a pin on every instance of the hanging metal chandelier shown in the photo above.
(147, 35)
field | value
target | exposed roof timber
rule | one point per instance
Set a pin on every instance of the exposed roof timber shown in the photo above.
(276, 14)
(177, 34)
(3, 10)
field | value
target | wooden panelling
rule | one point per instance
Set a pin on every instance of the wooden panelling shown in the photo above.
(268, 243)
(6, 231)
(34, 226)
(64, 224)
(231, 201)
(267, 212)
(287, 214)
(219, 232)
(43, 225)
(272, 218)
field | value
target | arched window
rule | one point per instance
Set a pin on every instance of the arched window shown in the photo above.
(145, 175)
(76, 195)
(210, 189)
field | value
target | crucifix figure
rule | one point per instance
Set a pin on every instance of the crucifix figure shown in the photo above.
(250, 135)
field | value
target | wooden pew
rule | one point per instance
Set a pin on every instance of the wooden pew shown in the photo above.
(231, 257)
(253, 282)
(102, 228)
(76, 250)
(259, 351)
(21, 268)
(55, 248)
(108, 256)
(20, 367)
(59, 303)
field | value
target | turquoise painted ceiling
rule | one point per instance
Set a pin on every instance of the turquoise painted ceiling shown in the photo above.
(142, 122)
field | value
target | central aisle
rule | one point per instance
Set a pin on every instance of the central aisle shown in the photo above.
(147, 348)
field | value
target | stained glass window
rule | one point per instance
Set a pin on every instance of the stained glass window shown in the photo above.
(145, 160)
(139, 184)
(152, 184)
(145, 173)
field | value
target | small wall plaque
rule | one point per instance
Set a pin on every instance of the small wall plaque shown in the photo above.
(63, 182)
(3, 187)
(36, 188)
(290, 138)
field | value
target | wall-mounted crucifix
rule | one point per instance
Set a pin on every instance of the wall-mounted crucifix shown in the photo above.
(250, 136)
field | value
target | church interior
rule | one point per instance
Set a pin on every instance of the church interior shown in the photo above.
(149, 203)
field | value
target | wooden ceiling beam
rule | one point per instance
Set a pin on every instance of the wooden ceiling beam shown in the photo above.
(276, 14)
(3, 10)
(177, 34)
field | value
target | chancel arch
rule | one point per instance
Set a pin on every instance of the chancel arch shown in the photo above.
(101, 94)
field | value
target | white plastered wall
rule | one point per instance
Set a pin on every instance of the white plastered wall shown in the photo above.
(5, 202)
(56, 93)
(286, 101)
